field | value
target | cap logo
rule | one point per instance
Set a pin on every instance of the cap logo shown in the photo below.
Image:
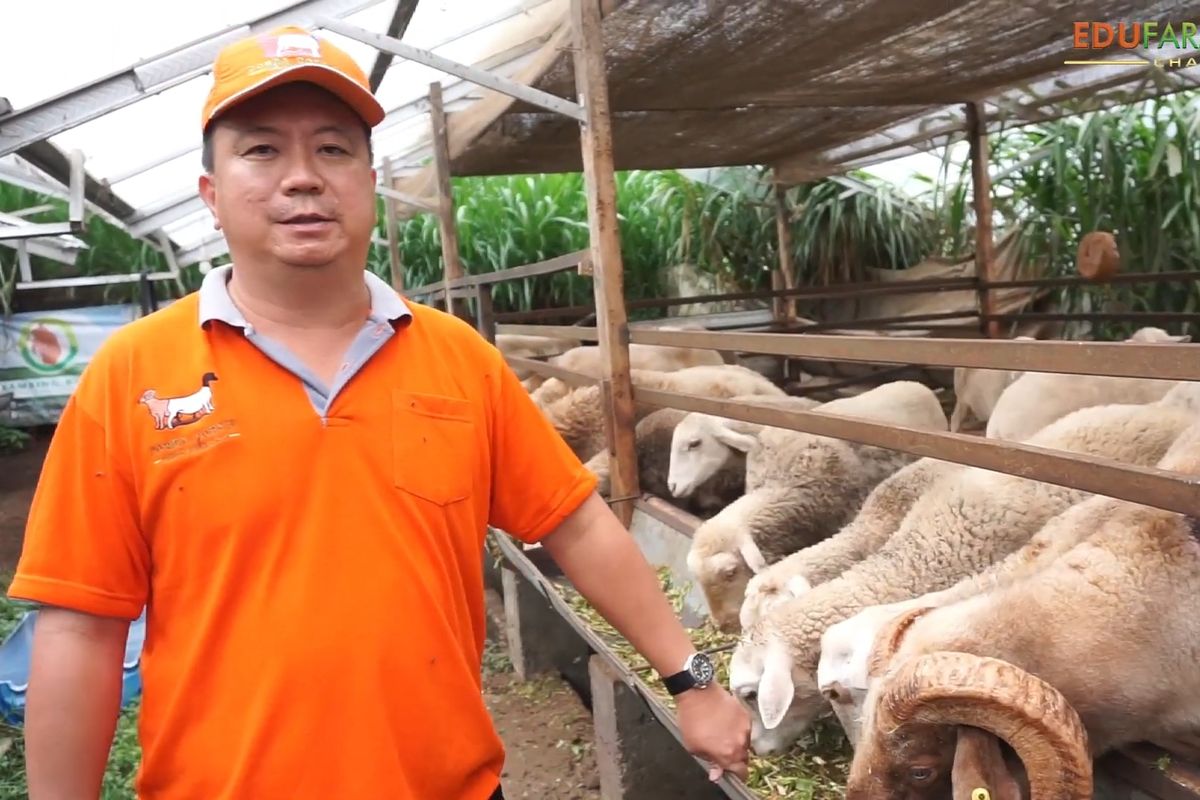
(292, 44)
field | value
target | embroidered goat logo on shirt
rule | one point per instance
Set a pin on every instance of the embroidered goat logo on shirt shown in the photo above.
(172, 412)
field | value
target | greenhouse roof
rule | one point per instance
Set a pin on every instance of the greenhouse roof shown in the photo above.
(810, 88)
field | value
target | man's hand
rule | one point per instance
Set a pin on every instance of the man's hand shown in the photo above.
(715, 728)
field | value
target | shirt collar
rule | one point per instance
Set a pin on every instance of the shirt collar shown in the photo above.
(215, 303)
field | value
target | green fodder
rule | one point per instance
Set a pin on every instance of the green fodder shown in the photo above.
(815, 768)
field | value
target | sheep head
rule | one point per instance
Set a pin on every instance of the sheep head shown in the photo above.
(762, 678)
(701, 444)
(768, 589)
(934, 724)
(722, 558)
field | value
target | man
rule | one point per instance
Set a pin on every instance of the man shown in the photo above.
(292, 470)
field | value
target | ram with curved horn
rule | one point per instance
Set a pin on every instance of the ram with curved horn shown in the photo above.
(1112, 624)
(968, 705)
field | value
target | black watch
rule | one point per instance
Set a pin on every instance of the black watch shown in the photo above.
(697, 673)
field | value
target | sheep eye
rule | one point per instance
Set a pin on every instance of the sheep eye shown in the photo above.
(921, 773)
(693, 444)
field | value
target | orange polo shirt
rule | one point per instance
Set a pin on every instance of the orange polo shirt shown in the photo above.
(309, 557)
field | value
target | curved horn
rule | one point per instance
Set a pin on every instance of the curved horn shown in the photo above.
(996, 696)
(888, 639)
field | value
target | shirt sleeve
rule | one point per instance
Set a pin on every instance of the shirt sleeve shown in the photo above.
(537, 480)
(83, 546)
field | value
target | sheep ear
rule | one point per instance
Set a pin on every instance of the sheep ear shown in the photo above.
(775, 688)
(751, 554)
(735, 439)
(797, 585)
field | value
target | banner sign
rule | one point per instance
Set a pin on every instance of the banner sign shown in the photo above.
(42, 354)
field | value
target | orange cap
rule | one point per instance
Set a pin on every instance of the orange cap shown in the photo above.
(253, 65)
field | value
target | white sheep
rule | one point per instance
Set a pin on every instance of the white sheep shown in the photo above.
(877, 519)
(527, 346)
(653, 439)
(825, 481)
(1036, 399)
(579, 417)
(977, 390)
(969, 521)
(702, 443)
(1090, 650)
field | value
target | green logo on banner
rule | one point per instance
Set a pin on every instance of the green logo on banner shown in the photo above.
(48, 345)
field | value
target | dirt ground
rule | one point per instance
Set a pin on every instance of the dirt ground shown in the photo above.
(547, 731)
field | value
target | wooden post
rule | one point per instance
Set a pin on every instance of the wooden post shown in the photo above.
(981, 196)
(782, 276)
(609, 283)
(452, 266)
(393, 231)
(484, 313)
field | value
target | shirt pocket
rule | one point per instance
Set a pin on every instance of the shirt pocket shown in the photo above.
(433, 446)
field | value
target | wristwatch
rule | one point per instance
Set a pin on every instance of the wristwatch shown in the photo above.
(697, 673)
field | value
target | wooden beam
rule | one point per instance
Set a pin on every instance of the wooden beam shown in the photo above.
(485, 312)
(396, 29)
(609, 285)
(393, 231)
(784, 278)
(981, 196)
(452, 266)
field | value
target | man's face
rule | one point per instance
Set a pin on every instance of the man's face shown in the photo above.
(292, 180)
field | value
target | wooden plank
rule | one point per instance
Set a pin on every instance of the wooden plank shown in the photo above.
(612, 322)
(1145, 485)
(668, 514)
(548, 267)
(452, 265)
(580, 332)
(1121, 359)
(404, 197)
(482, 77)
(981, 196)
(567, 376)
(1152, 772)
(393, 230)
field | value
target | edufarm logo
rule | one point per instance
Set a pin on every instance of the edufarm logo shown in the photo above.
(47, 345)
(1148, 44)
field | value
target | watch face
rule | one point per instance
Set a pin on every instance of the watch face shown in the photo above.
(702, 668)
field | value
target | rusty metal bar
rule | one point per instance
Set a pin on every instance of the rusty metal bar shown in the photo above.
(1120, 359)
(1145, 485)
(1186, 276)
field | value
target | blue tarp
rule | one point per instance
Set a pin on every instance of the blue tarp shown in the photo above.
(14, 667)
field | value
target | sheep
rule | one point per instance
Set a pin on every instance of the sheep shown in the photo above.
(702, 443)
(1093, 651)
(877, 519)
(524, 346)
(579, 417)
(660, 358)
(845, 647)
(977, 390)
(845, 661)
(1036, 399)
(967, 522)
(653, 438)
(826, 479)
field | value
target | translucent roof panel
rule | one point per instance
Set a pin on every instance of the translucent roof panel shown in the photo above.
(148, 151)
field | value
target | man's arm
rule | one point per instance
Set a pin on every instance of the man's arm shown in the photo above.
(73, 700)
(605, 565)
